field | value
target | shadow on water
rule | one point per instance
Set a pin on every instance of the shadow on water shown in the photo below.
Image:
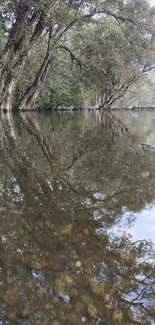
(65, 182)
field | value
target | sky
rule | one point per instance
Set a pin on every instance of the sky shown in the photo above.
(142, 228)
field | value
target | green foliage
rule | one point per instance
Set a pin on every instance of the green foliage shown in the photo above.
(92, 51)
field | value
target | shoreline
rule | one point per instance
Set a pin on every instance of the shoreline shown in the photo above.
(77, 109)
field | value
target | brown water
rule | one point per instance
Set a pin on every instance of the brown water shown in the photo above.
(77, 203)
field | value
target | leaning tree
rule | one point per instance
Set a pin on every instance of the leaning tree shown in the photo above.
(25, 23)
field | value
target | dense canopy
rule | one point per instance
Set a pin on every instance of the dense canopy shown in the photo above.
(73, 51)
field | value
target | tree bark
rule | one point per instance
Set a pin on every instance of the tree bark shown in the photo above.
(23, 40)
(6, 98)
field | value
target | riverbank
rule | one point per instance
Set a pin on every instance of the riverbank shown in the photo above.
(93, 108)
(89, 108)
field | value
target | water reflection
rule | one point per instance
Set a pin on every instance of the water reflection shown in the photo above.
(66, 183)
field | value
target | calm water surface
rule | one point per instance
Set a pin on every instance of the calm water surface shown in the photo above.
(77, 219)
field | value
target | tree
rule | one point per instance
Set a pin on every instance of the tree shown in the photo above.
(113, 56)
(29, 22)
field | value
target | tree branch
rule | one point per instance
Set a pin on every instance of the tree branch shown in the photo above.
(73, 57)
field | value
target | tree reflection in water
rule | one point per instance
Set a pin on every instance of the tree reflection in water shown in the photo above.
(64, 183)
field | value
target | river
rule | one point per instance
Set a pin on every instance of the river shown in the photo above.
(77, 218)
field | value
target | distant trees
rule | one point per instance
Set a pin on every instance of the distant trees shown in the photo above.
(114, 56)
(110, 41)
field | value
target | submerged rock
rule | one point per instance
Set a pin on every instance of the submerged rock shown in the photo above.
(12, 316)
(92, 310)
(63, 282)
(78, 264)
(97, 289)
(11, 297)
(118, 316)
(9, 280)
(25, 312)
(66, 230)
(55, 322)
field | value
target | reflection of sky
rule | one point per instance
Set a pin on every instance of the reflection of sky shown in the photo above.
(144, 226)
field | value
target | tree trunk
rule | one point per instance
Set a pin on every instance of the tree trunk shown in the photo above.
(7, 96)
(23, 40)
(32, 92)
(97, 97)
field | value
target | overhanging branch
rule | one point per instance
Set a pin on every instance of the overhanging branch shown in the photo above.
(73, 57)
